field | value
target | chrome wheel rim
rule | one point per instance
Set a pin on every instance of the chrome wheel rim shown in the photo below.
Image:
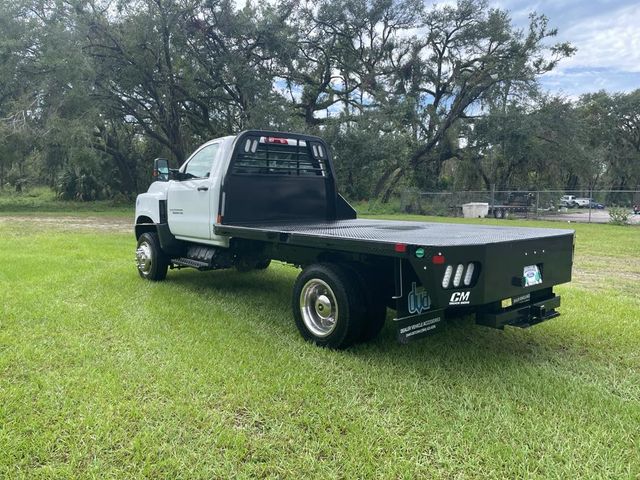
(143, 258)
(318, 307)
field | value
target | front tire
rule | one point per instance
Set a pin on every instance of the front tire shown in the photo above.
(151, 260)
(328, 306)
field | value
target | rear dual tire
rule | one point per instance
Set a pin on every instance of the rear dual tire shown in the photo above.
(327, 306)
(332, 307)
(375, 305)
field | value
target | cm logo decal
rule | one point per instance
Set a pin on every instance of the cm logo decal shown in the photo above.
(459, 298)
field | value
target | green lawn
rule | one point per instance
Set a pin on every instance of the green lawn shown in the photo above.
(205, 376)
(42, 200)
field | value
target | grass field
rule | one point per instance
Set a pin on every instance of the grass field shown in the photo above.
(43, 200)
(103, 375)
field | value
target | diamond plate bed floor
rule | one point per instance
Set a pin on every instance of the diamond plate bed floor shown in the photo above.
(416, 233)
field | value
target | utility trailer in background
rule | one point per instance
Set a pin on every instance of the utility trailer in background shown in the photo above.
(245, 200)
(515, 204)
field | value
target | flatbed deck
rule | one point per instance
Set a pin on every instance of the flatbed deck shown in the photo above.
(428, 234)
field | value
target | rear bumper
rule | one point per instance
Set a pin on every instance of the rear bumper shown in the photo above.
(499, 271)
(524, 315)
(520, 315)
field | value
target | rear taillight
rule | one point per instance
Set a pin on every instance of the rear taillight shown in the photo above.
(458, 275)
(468, 276)
(447, 276)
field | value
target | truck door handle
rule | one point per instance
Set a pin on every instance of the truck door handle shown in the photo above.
(203, 189)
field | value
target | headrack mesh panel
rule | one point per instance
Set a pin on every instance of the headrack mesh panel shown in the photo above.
(268, 156)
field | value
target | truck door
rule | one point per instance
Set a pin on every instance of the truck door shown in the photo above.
(189, 201)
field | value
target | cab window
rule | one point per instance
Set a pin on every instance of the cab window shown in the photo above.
(201, 163)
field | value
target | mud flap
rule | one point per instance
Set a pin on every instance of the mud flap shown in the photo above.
(416, 317)
(418, 326)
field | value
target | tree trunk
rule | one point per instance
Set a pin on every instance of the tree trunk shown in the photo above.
(382, 181)
(391, 184)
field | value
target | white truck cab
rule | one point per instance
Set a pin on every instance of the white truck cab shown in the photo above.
(192, 203)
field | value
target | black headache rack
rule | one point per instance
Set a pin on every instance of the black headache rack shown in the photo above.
(280, 176)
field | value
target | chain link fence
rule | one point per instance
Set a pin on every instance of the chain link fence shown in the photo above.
(595, 206)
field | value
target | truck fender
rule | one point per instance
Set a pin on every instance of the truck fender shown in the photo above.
(149, 207)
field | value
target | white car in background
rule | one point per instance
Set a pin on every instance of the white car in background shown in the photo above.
(568, 201)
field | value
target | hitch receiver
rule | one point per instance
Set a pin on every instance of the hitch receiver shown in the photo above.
(523, 315)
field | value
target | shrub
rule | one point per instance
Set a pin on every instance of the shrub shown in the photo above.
(66, 185)
(619, 216)
(71, 186)
(88, 187)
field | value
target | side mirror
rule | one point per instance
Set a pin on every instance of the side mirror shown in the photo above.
(161, 170)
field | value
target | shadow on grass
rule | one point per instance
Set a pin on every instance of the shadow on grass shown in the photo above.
(460, 344)
(268, 284)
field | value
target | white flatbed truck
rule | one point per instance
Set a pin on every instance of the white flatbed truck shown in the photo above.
(241, 201)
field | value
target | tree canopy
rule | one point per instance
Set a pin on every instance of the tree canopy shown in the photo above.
(408, 95)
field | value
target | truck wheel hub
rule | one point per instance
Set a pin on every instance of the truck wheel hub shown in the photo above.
(143, 257)
(318, 307)
(323, 306)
